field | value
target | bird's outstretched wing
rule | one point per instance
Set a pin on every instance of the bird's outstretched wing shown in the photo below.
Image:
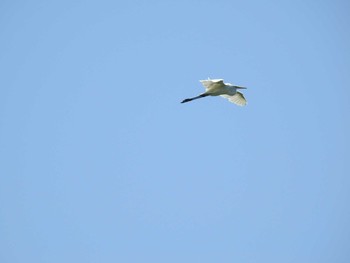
(210, 83)
(237, 99)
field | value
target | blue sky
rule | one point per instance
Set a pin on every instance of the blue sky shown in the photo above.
(99, 161)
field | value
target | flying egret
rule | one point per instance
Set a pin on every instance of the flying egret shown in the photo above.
(217, 87)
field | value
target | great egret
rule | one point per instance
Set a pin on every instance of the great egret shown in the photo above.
(217, 87)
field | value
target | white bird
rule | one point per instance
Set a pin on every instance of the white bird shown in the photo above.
(217, 87)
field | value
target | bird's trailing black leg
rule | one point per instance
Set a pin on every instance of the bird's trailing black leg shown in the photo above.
(194, 98)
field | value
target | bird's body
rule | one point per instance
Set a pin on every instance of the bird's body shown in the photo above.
(217, 87)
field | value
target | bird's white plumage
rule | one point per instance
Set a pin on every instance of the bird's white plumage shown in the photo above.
(217, 87)
(208, 83)
(237, 99)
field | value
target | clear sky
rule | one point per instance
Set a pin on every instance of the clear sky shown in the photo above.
(99, 161)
